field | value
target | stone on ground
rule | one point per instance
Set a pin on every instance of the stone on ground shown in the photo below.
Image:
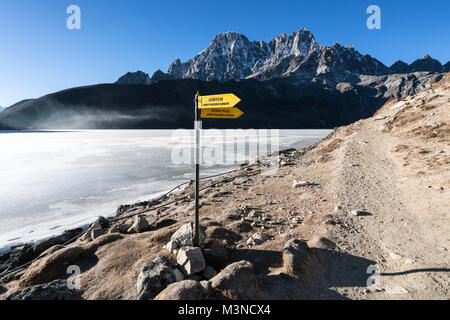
(191, 260)
(184, 235)
(297, 184)
(55, 290)
(50, 267)
(236, 281)
(87, 234)
(297, 258)
(140, 225)
(95, 233)
(155, 277)
(183, 290)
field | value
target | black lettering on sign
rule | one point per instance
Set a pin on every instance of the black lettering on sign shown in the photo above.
(215, 99)
(215, 104)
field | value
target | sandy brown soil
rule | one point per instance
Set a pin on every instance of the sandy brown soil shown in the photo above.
(393, 168)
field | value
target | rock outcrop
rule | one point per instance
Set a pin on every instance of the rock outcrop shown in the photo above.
(155, 277)
(298, 258)
(55, 290)
(236, 281)
(232, 56)
(183, 290)
(137, 77)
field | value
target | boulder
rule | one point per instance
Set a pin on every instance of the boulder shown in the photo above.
(55, 290)
(58, 240)
(114, 229)
(191, 260)
(55, 264)
(102, 221)
(123, 227)
(140, 225)
(50, 250)
(87, 234)
(95, 233)
(171, 246)
(155, 277)
(298, 258)
(257, 238)
(183, 290)
(184, 235)
(50, 267)
(236, 281)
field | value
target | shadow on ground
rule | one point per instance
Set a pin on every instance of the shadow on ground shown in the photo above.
(331, 270)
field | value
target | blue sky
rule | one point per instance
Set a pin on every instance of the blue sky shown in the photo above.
(39, 55)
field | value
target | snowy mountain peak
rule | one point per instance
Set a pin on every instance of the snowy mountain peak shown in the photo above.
(231, 55)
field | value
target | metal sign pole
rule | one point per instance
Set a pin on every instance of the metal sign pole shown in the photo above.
(197, 126)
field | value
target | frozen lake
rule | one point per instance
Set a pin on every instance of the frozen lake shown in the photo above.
(51, 181)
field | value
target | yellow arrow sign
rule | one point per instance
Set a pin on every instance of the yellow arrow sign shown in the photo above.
(227, 100)
(230, 113)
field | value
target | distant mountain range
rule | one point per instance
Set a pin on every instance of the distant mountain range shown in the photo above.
(289, 82)
(231, 56)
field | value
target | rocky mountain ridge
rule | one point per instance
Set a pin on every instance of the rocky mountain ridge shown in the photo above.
(231, 56)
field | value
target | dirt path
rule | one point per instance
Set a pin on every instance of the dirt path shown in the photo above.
(399, 228)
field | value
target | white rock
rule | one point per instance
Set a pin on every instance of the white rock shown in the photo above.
(355, 212)
(259, 238)
(395, 255)
(139, 225)
(296, 220)
(171, 246)
(398, 105)
(252, 214)
(184, 236)
(417, 286)
(297, 184)
(396, 290)
(191, 260)
(410, 261)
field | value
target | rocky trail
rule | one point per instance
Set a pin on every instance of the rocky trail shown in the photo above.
(363, 214)
(404, 238)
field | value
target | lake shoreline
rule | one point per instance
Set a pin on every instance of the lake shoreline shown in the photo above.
(75, 177)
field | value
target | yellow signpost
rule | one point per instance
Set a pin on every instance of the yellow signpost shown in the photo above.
(229, 113)
(213, 106)
(226, 100)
